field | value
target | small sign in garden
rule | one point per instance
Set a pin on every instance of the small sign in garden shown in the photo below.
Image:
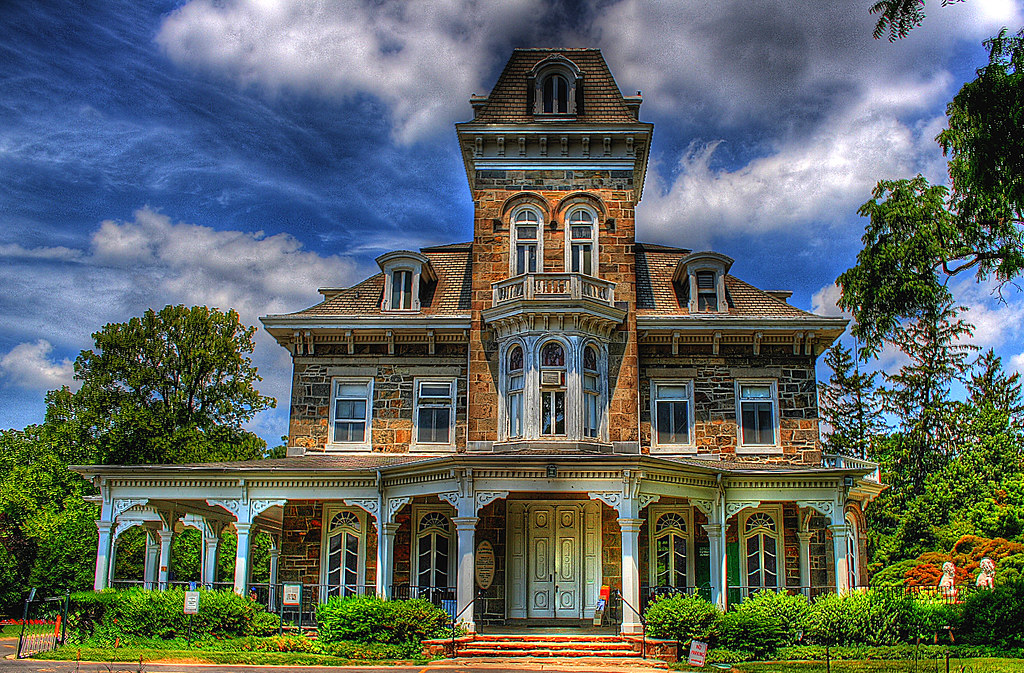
(484, 565)
(292, 595)
(191, 602)
(698, 653)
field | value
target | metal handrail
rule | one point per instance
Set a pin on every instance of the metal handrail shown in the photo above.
(455, 619)
(643, 623)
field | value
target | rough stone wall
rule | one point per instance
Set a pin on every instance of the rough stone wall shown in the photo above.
(791, 544)
(715, 429)
(611, 550)
(820, 548)
(392, 422)
(616, 263)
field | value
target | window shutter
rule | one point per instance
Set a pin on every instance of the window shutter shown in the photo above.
(530, 86)
(579, 96)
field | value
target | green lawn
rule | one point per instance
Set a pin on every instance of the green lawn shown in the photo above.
(980, 665)
(10, 631)
(126, 654)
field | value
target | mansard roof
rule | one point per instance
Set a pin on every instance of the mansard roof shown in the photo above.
(602, 101)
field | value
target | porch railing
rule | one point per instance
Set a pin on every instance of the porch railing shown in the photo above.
(851, 463)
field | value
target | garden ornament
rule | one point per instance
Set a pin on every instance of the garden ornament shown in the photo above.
(987, 573)
(948, 579)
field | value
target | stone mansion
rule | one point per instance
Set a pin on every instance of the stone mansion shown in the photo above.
(517, 422)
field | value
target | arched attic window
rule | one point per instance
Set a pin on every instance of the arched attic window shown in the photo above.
(555, 88)
(701, 276)
(404, 274)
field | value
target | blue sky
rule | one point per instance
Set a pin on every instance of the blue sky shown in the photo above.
(242, 154)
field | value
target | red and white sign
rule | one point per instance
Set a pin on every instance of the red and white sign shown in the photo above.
(698, 652)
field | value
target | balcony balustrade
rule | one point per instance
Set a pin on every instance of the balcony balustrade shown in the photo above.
(554, 287)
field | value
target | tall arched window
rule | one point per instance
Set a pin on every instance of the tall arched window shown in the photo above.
(760, 540)
(514, 393)
(670, 537)
(526, 243)
(552, 389)
(582, 248)
(343, 542)
(591, 393)
(852, 551)
(556, 94)
(433, 544)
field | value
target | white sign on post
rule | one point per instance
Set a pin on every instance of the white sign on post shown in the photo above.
(191, 602)
(292, 595)
(698, 653)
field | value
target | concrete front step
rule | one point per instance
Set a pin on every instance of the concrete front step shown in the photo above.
(508, 645)
(541, 652)
(588, 663)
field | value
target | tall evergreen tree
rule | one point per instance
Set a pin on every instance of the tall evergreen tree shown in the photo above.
(991, 385)
(849, 404)
(919, 392)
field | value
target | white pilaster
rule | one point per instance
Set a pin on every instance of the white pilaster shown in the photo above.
(465, 527)
(152, 562)
(103, 550)
(804, 536)
(385, 558)
(716, 546)
(211, 550)
(630, 573)
(163, 570)
(242, 557)
(839, 551)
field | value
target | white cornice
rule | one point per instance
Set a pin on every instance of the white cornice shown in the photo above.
(718, 322)
(343, 322)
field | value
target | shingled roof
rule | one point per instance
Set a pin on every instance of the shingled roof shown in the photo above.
(602, 100)
(449, 296)
(658, 295)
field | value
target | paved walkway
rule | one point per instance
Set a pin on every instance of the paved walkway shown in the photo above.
(454, 666)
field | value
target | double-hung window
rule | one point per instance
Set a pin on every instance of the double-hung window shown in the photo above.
(342, 552)
(672, 402)
(757, 412)
(350, 411)
(581, 242)
(526, 230)
(591, 394)
(552, 389)
(514, 397)
(761, 548)
(671, 539)
(401, 290)
(435, 411)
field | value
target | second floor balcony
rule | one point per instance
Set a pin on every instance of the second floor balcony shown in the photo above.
(554, 301)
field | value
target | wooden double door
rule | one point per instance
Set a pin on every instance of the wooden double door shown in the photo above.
(555, 562)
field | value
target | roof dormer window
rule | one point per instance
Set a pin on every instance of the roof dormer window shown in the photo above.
(701, 277)
(555, 88)
(405, 272)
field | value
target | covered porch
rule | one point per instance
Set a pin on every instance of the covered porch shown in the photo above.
(500, 541)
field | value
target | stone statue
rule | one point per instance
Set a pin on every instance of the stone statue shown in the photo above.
(946, 584)
(987, 573)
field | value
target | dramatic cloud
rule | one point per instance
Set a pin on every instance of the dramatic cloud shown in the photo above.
(422, 59)
(823, 302)
(29, 366)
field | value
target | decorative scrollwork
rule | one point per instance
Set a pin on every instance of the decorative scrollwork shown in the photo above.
(611, 498)
(823, 507)
(737, 506)
(451, 498)
(257, 507)
(706, 506)
(484, 498)
(233, 505)
(646, 499)
(122, 505)
(371, 505)
(121, 527)
(394, 506)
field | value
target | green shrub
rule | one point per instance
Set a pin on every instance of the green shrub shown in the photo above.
(284, 643)
(765, 622)
(137, 613)
(370, 651)
(722, 655)
(683, 618)
(367, 619)
(995, 617)
(868, 618)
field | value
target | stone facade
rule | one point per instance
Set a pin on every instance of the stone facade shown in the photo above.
(393, 404)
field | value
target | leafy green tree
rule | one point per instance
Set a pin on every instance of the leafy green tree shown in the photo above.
(991, 385)
(899, 17)
(849, 403)
(920, 234)
(172, 386)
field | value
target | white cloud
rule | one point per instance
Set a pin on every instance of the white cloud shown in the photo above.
(823, 302)
(1017, 363)
(422, 59)
(29, 366)
(997, 320)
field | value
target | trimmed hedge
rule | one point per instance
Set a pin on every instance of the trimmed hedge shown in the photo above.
(684, 618)
(367, 619)
(765, 622)
(138, 613)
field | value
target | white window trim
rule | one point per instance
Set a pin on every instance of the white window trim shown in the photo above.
(774, 511)
(434, 446)
(773, 448)
(418, 512)
(389, 283)
(513, 239)
(719, 273)
(853, 550)
(367, 444)
(654, 513)
(593, 240)
(571, 78)
(690, 447)
(329, 511)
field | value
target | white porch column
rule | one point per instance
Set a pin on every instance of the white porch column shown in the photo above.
(163, 571)
(275, 556)
(242, 557)
(210, 552)
(465, 527)
(103, 550)
(839, 551)
(630, 573)
(716, 545)
(804, 536)
(385, 558)
(152, 560)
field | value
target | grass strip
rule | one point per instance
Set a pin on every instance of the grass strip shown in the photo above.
(129, 654)
(979, 665)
